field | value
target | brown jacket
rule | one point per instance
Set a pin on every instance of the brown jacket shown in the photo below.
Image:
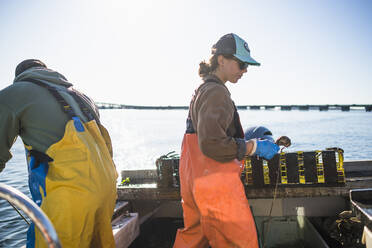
(212, 115)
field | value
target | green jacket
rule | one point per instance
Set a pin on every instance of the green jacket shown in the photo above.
(31, 112)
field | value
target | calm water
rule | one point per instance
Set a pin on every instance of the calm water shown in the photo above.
(139, 137)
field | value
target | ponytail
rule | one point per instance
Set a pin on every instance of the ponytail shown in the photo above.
(207, 68)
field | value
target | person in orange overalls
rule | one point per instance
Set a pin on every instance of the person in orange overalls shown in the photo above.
(215, 208)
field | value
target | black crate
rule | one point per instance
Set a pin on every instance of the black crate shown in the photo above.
(167, 170)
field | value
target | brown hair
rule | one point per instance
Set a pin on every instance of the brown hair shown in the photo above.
(207, 68)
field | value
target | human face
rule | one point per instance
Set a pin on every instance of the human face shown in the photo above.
(231, 68)
(242, 65)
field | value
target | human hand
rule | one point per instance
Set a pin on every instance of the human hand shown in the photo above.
(266, 149)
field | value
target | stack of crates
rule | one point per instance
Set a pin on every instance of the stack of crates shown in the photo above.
(312, 168)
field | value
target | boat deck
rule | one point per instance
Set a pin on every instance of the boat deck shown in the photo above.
(159, 211)
(358, 175)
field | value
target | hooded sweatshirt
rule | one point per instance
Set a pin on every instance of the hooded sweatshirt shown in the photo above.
(32, 112)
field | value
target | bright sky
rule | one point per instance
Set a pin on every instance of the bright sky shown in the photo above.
(147, 52)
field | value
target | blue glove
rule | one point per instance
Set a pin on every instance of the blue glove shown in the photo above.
(266, 149)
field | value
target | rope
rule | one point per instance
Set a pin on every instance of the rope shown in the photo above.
(272, 203)
(19, 213)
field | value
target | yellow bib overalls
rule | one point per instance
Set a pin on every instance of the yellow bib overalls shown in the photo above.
(74, 183)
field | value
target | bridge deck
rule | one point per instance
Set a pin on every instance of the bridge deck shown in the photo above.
(324, 107)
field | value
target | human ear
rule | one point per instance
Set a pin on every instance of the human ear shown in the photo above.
(221, 60)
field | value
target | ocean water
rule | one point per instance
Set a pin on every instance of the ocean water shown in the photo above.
(139, 137)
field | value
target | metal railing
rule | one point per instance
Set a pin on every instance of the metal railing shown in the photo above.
(33, 211)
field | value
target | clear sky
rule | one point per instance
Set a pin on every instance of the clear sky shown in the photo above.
(147, 52)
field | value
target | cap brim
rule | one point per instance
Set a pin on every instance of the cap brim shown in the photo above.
(247, 59)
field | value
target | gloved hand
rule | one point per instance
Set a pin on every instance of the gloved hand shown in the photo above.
(265, 148)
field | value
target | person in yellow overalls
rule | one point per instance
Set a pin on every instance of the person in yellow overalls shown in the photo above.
(215, 208)
(72, 176)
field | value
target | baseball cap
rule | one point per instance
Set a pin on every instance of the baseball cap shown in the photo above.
(231, 44)
(27, 64)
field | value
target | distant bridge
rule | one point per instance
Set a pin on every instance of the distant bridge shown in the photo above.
(325, 107)
(103, 105)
